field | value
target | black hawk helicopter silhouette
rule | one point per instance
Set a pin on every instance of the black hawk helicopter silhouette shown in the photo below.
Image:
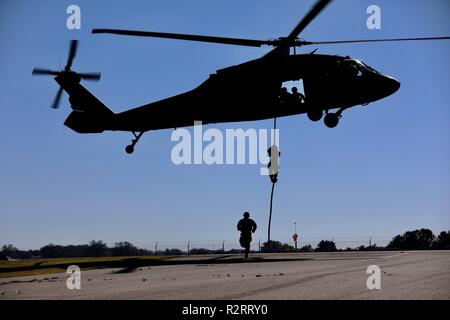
(244, 92)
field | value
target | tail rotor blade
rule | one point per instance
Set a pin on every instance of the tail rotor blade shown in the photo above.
(72, 53)
(55, 103)
(93, 76)
(41, 72)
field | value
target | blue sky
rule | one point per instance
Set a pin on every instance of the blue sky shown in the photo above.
(384, 170)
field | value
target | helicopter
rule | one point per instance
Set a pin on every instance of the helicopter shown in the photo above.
(246, 92)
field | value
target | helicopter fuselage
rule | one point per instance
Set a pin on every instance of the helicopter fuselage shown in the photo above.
(251, 91)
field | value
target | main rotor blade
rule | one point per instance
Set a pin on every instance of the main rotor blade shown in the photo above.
(190, 37)
(305, 43)
(95, 76)
(318, 7)
(39, 71)
(57, 98)
(72, 53)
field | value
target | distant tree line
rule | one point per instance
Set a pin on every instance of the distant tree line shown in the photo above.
(421, 239)
(93, 249)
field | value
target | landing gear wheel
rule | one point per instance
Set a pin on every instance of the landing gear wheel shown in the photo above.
(315, 115)
(331, 120)
(129, 149)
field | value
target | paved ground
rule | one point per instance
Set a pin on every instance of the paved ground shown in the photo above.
(340, 275)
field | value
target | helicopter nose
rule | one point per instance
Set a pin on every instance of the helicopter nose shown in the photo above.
(391, 85)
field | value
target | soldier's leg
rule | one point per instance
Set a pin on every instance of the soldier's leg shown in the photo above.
(245, 242)
(242, 240)
(247, 247)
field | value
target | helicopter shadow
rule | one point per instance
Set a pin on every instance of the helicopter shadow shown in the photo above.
(133, 264)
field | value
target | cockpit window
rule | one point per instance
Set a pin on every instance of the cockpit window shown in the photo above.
(369, 67)
(356, 67)
(350, 67)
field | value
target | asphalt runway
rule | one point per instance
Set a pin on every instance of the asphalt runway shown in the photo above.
(338, 275)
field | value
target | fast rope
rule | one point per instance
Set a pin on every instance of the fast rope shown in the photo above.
(273, 166)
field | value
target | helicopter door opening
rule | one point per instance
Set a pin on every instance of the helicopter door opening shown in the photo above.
(291, 84)
(292, 93)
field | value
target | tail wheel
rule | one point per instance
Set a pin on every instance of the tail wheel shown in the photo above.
(331, 120)
(129, 149)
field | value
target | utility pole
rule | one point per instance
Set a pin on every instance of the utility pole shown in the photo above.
(189, 242)
(259, 245)
(223, 246)
(156, 248)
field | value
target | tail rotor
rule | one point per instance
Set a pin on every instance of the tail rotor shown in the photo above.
(94, 76)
